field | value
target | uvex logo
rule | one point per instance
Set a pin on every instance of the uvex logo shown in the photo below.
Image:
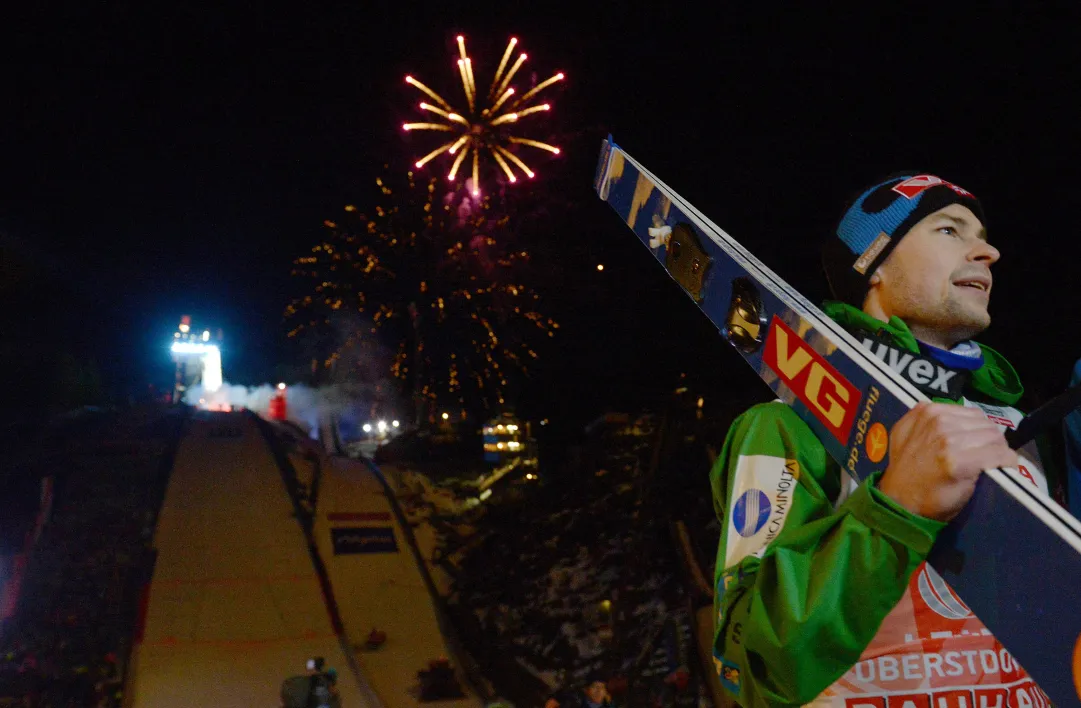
(920, 371)
(820, 387)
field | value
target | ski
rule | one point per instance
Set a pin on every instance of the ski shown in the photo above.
(1013, 555)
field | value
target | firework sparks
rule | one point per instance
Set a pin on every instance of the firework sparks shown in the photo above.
(449, 295)
(485, 128)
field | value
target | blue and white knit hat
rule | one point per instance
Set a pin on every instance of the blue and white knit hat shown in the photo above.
(877, 220)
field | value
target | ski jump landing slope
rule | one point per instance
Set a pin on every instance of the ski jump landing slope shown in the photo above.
(235, 604)
(378, 584)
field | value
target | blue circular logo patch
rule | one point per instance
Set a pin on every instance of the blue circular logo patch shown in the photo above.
(751, 512)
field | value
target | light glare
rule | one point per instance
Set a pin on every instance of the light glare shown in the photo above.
(193, 348)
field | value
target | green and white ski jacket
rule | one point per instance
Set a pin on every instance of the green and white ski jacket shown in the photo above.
(823, 597)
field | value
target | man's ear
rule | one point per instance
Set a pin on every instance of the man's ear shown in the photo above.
(870, 298)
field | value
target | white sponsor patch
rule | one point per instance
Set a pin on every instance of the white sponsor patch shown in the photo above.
(761, 499)
(1003, 416)
(1008, 418)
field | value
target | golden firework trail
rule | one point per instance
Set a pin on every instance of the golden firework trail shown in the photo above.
(481, 130)
(459, 337)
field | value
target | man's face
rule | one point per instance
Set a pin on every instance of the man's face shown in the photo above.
(595, 691)
(938, 278)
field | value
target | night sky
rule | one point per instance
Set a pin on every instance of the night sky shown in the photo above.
(164, 159)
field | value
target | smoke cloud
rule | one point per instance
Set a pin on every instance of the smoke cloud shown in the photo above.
(304, 405)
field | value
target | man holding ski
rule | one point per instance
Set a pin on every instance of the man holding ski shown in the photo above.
(823, 594)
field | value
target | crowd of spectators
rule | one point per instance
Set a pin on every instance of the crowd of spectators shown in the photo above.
(70, 637)
(577, 575)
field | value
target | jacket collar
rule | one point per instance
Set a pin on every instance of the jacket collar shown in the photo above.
(996, 379)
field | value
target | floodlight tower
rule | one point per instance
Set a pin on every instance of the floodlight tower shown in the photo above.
(198, 360)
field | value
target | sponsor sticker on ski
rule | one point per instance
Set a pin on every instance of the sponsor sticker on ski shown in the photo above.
(878, 442)
(873, 438)
(826, 393)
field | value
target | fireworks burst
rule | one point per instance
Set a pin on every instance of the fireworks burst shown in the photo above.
(484, 130)
(439, 281)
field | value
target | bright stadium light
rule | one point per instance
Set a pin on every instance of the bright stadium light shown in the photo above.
(382, 425)
(281, 387)
(367, 427)
(212, 370)
(395, 424)
(193, 348)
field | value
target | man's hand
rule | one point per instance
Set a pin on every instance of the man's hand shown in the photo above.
(937, 452)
